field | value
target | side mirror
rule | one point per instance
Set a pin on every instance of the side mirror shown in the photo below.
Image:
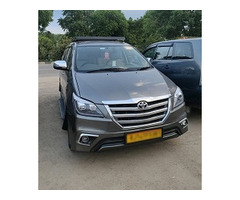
(149, 60)
(60, 65)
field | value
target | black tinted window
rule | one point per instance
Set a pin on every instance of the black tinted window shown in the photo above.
(163, 52)
(182, 50)
(150, 53)
(69, 58)
(64, 57)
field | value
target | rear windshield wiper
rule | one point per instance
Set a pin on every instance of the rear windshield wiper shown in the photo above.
(110, 69)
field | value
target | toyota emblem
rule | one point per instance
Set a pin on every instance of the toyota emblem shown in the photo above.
(142, 104)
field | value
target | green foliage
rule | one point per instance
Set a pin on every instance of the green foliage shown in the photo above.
(45, 46)
(50, 46)
(135, 32)
(171, 24)
(44, 18)
(76, 22)
(108, 23)
(91, 23)
(154, 26)
(61, 41)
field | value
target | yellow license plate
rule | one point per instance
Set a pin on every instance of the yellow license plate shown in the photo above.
(143, 135)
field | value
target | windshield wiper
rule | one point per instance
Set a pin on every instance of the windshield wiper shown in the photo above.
(166, 57)
(110, 69)
(144, 68)
(181, 57)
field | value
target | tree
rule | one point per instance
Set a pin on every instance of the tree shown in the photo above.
(155, 25)
(93, 23)
(134, 34)
(61, 42)
(45, 47)
(76, 22)
(108, 23)
(170, 24)
(51, 46)
(44, 18)
(194, 23)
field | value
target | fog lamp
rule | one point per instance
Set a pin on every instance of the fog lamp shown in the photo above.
(85, 139)
(184, 122)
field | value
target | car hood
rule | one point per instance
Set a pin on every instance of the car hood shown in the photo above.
(121, 86)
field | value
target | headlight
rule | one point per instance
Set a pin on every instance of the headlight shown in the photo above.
(86, 108)
(178, 97)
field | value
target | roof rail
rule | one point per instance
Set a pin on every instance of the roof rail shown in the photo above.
(94, 38)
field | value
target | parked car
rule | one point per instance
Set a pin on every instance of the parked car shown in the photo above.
(181, 61)
(110, 96)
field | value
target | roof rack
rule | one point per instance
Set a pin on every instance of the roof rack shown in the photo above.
(94, 38)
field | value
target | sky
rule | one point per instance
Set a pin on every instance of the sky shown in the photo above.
(55, 28)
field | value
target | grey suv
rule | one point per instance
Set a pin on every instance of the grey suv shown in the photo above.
(111, 96)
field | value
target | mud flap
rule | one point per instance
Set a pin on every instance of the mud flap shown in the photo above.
(61, 107)
(63, 113)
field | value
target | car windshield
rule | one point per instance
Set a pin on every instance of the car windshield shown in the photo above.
(109, 58)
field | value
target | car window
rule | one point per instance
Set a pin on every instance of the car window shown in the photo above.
(89, 58)
(197, 49)
(182, 50)
(69, 58)
(163, 52)
(64, 57)
(150, 53)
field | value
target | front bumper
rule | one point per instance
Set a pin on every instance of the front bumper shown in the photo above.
(103, 133)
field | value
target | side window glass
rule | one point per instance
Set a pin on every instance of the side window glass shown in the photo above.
(64, 57)
(132, 57)
(163, 52)
(150, 53)
(183, 50)
(69, 58)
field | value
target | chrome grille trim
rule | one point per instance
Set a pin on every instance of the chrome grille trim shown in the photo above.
(135, 100)
(130, 116)
(140, 114)
(140, 120)
(136, 109)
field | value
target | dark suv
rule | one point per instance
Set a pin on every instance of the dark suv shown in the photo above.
(181, 61)
(112, 97)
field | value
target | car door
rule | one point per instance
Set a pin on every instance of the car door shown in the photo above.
(184, 71)
(160, 55)
(176, 61)
(162, 58)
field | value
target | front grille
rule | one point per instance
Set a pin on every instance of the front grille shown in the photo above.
(128, 115)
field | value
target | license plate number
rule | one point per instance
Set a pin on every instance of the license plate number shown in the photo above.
(143, 135)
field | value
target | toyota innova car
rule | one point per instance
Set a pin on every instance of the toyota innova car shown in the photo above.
(111, 96)
(181, 61)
